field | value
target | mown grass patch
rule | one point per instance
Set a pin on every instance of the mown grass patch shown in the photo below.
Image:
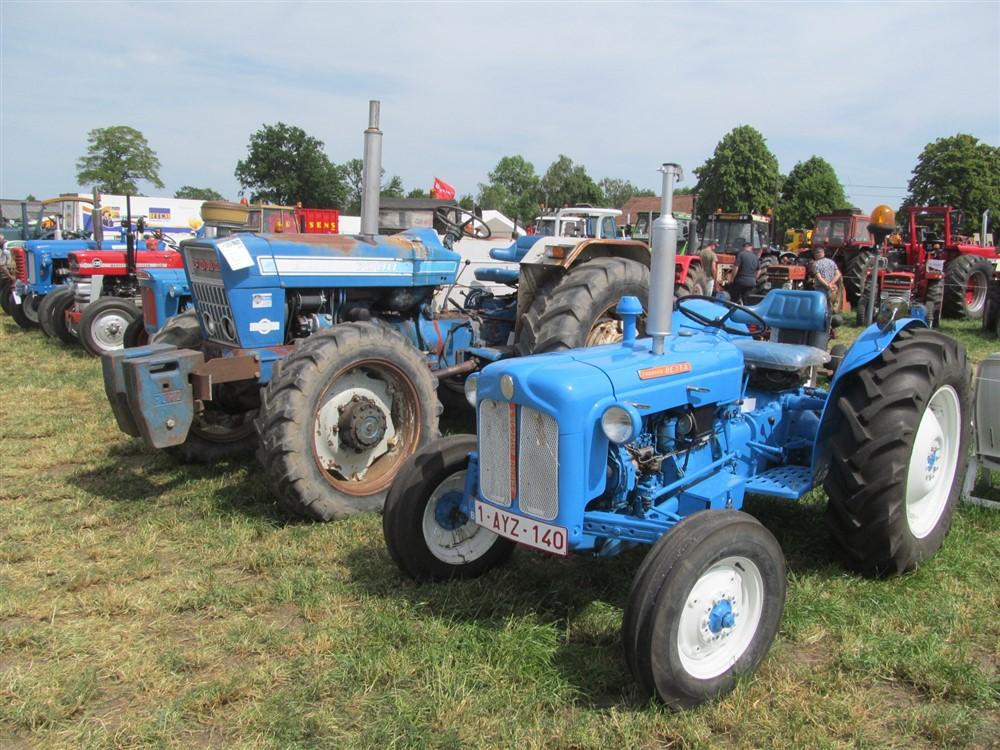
(147, 604)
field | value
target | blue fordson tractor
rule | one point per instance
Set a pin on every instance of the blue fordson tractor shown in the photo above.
(658, 440)
(327, 353)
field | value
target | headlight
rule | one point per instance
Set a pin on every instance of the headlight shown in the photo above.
(621, 423)
(470, 388)
(507, 387)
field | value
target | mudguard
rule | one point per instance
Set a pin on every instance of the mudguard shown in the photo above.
(869, 345)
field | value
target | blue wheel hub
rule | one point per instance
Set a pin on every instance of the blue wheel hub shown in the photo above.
(448, 511)
(721, 616)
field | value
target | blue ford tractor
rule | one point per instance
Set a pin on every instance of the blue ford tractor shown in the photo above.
(326, 352)
(658, 440)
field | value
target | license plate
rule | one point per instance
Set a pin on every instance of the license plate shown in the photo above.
(936, 265)
(543, 536)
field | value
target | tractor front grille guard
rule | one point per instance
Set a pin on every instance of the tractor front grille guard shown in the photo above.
(20, 263)
(216, 314)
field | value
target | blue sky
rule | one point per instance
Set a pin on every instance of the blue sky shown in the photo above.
(618, 87)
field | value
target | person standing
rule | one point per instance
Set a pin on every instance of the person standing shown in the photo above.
(744, 278)
(710, 265)
(826, 275)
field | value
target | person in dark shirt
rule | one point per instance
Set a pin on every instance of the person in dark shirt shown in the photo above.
(744, 278)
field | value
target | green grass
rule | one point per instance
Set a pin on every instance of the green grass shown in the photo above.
(146, 604)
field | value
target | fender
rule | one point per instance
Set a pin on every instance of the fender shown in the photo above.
(868, 346)
(572, 251)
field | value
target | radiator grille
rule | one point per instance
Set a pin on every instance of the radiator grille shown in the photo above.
(29, 262)
(81, 291)
(495, 436)
(19, 261)
(213, 306)
(538, 464)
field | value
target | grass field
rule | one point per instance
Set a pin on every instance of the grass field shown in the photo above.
(147, 604)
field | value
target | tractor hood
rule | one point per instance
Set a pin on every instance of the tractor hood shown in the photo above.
(60, 248)
(244, 261)
(113, 263)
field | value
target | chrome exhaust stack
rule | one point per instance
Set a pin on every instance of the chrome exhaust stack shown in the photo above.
(371, 175)
(663, 268)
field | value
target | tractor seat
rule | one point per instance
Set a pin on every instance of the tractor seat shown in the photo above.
(799, 322)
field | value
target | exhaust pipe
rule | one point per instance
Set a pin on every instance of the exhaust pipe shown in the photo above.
(661, 273)
(97, 220)
(371, 173)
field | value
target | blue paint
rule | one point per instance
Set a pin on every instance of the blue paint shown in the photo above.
(721, 616)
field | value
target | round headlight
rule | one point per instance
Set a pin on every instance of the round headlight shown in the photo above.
(619, 424)
(209, 324)
(470, 388)
(507, 387)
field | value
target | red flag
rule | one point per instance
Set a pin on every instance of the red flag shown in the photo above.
(442, 190)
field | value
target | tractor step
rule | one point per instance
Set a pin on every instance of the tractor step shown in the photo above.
(790, 482)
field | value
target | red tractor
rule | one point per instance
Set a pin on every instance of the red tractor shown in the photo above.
(845, 237)
(949, 273)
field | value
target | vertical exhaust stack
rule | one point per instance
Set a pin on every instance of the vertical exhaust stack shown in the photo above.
(661, 273)
(371, 172)
(97, 220)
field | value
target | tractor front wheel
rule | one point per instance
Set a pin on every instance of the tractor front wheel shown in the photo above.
(52, 304)
(6, 287)
(704, 607)
(581, 307)
(136, 334)
(899, 453)
(339, 420)
(103, 324)
(966, 284)
(428, 532)
(20, 315)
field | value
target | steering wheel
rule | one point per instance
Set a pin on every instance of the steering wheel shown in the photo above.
(472, 227)
(722, 321)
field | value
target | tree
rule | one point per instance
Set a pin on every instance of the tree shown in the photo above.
(566, 184)
(116, 157)
(742, 175)
(418, 193)
(393, 188)
(467, 202)
(198, 194)
(353, 172)
(615, 192)
(512, 189)
(959, 171)
(30, 197)
(285, 165)
(811, 189)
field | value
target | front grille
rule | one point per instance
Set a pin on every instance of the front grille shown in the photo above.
(21, 264)
(29, 261)
(537, 458)
(495, 435)
(538, 464)
(81, 291)
(216, 315)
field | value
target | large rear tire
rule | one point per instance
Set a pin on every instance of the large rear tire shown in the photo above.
(52, 303)
(581, 308)
(899, 452)
(856, 274)
(136, 334)
(966, 283)
(704, 607)
(6, 287)
(991, 315)
(103, 324)
(426, 530)
(696, 282)
(348, 407)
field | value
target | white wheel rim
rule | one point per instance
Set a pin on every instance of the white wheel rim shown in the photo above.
(463, 544)
(334, 454)
(706, 648)
(108, 330)
(933, 462)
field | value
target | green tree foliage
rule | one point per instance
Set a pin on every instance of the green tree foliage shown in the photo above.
(418, 193)
(285, 165)
(811, 189)
(467, 202)
(198, 194)
(566, 184)
(353, 173)
(512, 189)
(116, 157)
(30, 197)
(615, 192)
(959, 171)
(742, 175)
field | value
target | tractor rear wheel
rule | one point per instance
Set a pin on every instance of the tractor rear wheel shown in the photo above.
(103, 324)
(899, 452)
(991, 315)
(581, 308)
(704, 607)
(856, 274)
(426, 530)
(966, 284)
(339, 420)
(183, 331)
(528, 327)
(54, 300)
(696, 282)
